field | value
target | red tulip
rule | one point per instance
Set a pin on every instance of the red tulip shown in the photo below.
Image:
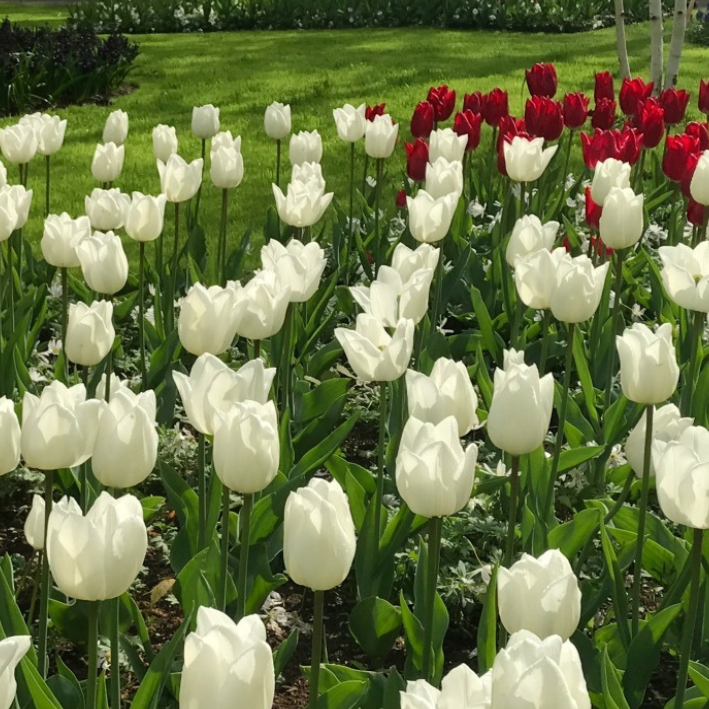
(416, 159)
(704, 97)
(401, 199)
(371, 112)
(674, 103)
(650, 121)
(601, 249)
(604, 87)
(593, 211)
(468, 123)
(495, 107)
(541, 80)
(632, 92)
(700, 132)
(566, 243)
(544, 117)
(603, 114)
(422, 120)
(474, 102)
(630, 144)
(695, 213)
(443, 102)
(575, 110)
(677, 153)
(603, 144)
(692, 161)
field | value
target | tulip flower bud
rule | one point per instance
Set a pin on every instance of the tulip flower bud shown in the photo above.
(318, 535)
(520, 412)
(544, 117)
(108, 162)
(468, 124)
(9, 437)
(12, 650)
(406, 261)
(277, 122)
(227, 168)
(298, 266)
(530, 235)
(416, 159)
(205, 121)
(648, 363)
(34, 524)
(23, 200)
(303, 205)
(430, 219)
(434, 475)
(50, 132)
(550, 591)
(373, 354)
(703, 98)
(422, 120)
(674, 104)
(164, 142)
(535, 277)
(266, 301)
(667, 425)
(116, 128)
(8, 215)
(126, 448)
(246, 446)
(577, 288)
(90, 332)
(97, 556)
(526, 159)
(621, 223)
(3, 175)
(461, 688)
(548, 672)
(446, 143)
(541, 80)
(146, 217)
(58, 427)
(107, 209)
(380, 138)
(447, 391)
(103, 262)
(305, 147)
(575, 110)
(117, 384)
(443, 177)
(632, 93)
(682, 478)
(350, 122)
(308, 174)
(18, 143)
(603, 115)
(603, 87)
(179, 179)
(224, 139)
(609, 173)
(699, 186)
(193, 390)
(209, 318)
(223, 660)
(685, 275)
(61, 236)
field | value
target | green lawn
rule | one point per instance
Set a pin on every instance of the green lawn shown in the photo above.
(314, 72)
(31, 14)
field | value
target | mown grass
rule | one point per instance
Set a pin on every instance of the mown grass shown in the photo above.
(314, 72)
(31, 14)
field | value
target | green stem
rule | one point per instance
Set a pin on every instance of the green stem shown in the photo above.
(558, 442)
(614, 323)
(257, 348)
(377, 196)
(435, 529)
(65, 317)
(350, 233)
(316, 655)
(383, 391)
(245, 524)
(690, 620)
(10, 283)
(141, 318)
(175, 258)
(44, 588)
(159, 281)
(221, 252)
(512, 522)
(202, 490)
(364, 174)
(278, 163)
(522, 199)
(46, 186)
(695, 333)
(438, 276)
(226, 506)
(92, 644)
(115, 606)
(545, 342)
(285, 370)
(649, 415)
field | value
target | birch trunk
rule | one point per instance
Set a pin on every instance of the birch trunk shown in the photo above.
(621, 43)
(656, 45)
(678, 28)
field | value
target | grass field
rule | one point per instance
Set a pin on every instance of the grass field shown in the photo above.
(314, 72)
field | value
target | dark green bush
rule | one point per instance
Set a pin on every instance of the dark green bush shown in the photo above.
(698, 31)
(41, 67)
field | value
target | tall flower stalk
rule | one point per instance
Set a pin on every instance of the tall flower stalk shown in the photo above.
(512, 519)
(244, 539)
(141, 318)
(435, 528)
(45, 580)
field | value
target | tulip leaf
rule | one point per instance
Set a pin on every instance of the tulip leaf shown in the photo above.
(369, 579)
(11, 620)
(612, 688)
(590, 660)
(572, 535)
(198, 581)
(620, 417)
(577, 456)
(394, 685)
(153, 683)
(375, 624)
(285, 651)
(319, 400)
(32, 690)
(699, 674)
(589, 393)
(66, 693)
(619, 594)
(346, 695)
(260, 580)
(101, 694)
(487, 630)
(644, 654)
(485, 325)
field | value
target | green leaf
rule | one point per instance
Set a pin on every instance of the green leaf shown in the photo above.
(577, 456)
(485, 323)
(620, 596)
(346, 695)
(375, 624)
(699, 674)
(285, 651)
(487, 630)
(612, 688)
(589, 393)
(572, 535)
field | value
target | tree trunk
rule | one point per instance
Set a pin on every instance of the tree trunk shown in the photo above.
(680, 24)
(621, 43)
(656, 47)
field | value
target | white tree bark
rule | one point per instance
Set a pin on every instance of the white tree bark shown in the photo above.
(621, 43)
(656, 45)
(678, 28)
